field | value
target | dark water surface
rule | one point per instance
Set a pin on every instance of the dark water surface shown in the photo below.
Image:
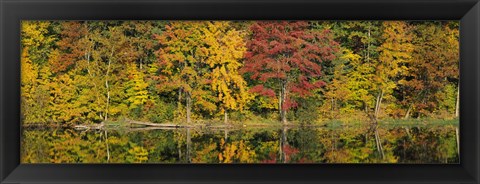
(248, 145)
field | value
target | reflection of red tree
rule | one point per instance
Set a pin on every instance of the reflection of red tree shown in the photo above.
(289, 151)
(272, 159)
(304, 160)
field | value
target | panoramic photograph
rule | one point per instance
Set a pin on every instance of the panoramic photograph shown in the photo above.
(240, 92)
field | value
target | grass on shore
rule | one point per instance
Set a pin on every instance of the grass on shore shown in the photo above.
(326, 123)
(332, 123)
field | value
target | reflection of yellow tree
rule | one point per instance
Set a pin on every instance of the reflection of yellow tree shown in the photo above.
(35, 147)
(207, 154)
(72, 147)
(389, 138)
(344, 146)
(137, 154)
(236, 152)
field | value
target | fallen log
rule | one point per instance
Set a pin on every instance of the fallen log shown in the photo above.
(88, 127)
(155, 124)
(219, 126)
(151, 128)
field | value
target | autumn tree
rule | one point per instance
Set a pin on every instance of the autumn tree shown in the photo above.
(395, 58)
(74, 46)
(141, 35)
(351, 87)
(37, 44)
(225, 48)
(339, 92)
(113, 50)
(94, 54)
(183, 68)
(64, 107)
(136, 88)
(31, 111)
(435, 63)
(39, 39)
(285, 57)
(67, 62)
(452, 47)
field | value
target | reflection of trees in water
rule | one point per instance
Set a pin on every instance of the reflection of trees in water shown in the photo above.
(284, 145)
(422, 145)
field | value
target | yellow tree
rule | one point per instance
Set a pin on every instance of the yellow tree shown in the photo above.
(453, 46)
(76, 87)
(36, 42)
(395, 56)
(225, 48)
(29, 74)
(339, 92)
(112, 51)
(63, 94)
(136, 87)
(182, 66)
(38, 39)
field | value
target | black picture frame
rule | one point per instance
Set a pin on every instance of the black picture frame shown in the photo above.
(13, 11)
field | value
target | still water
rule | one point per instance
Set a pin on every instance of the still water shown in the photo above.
(244, 145)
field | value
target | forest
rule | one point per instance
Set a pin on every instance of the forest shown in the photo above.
(240, 91)
(271, 72)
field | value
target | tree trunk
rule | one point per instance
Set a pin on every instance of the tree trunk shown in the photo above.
(179, 153)
(283, 110)
(108, 149)
(457, 106)
(379, 144)
(407, 115)
(458, 141)
(179, 94)
(378, 103)
(189, 142)
(332, 109)
(106, 84)
(108, 103)
(368, 45)
(407, 130)
(189, 107)
(225, 118)
(376, 106)
(280, 105)
(87, 57)
(334, 145)
(283, 144)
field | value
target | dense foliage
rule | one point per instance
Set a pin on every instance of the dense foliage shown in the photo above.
(76, 72)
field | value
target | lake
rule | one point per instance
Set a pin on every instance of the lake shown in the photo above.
(342, 144)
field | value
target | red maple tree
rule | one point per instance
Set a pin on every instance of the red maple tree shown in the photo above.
(71, 45)
(285, 57)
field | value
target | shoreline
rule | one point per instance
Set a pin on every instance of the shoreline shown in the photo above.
(127, 124)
